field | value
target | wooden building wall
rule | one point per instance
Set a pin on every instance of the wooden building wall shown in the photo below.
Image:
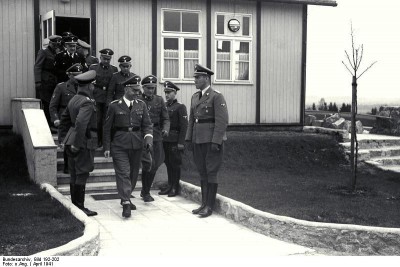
(240, 98)
(187, 88)
(75, 8)
(281, 50)
(125, 26)
(17, 54)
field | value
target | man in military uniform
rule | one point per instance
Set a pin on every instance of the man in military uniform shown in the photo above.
(81, 138)
(116, 89)
(60, 99)
(206, 133)
(45, 76)
(174, 142)
(159, 117)
(83, 49)
(126, 130)
(104, 72)
(67, 58)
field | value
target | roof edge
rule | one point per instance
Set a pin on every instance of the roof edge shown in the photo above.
(306, 2)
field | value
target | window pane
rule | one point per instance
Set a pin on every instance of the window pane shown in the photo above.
(246, 26)
(45, 29)
(190, 22)
(50, 26)
(223, 71)
(172, 21)
(191, 56)
(220, 24)
(242, 64)
(171, 58)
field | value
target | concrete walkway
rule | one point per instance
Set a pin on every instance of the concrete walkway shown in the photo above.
(167, 228)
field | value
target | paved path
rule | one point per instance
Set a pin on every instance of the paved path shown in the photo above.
(166, 227)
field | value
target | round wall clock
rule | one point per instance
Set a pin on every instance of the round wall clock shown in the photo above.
(233, 25)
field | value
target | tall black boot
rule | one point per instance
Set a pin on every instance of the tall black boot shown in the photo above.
(211, 196)
(72, 192)
(80, 200)
(65, 162)
(203, 186)
(144, 180)
(169, 187)
(176, 174)
(149, 181)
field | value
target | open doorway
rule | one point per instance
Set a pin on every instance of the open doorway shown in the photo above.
(78, 26)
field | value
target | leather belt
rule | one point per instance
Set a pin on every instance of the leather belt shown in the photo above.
(128, 129)
(210, 120)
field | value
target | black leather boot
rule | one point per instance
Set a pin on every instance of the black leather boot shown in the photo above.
(175, 182)
(203, 186)
(149, 181)
(211, 196)
(66, 171)
(72, 192)
(126, 212)
(144, 179)
(80, 200)
(166, 190)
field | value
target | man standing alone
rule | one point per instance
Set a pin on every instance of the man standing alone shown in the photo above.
(206, 134)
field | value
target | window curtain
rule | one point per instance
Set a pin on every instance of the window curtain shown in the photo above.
(223, 66)
(171, 63)
(243, 67)
(191, 58)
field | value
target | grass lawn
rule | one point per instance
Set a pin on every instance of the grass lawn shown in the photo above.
(30, 220)
(302, 176)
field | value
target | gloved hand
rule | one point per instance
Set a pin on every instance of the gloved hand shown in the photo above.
(107, 153)
(215, 147)
(181, 147)
(148, 143)
(57, 123)
(189, 145)
(164, 133)
(74, 149)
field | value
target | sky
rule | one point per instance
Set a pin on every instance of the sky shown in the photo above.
(376, 25)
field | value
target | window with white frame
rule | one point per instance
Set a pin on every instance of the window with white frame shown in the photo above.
(233, 48)
(180, 43)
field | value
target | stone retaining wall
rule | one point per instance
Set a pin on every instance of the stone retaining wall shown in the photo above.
(353, 239)
(86, 245)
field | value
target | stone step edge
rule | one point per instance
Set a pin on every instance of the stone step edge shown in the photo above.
(96, 160)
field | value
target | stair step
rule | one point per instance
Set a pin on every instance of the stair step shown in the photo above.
(99, 175)
(97, 153)
(385, 151)
(99, 163)
(395, 160)
(374, 143)
(101, 187)
(392, 168)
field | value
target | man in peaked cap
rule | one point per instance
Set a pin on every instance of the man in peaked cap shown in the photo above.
(45, 74)
(60, 99)
(116, 89)
(78, 125)
(67, 58)
(174, 143)
(206, 134)
(83, 49)
(104, 72)
(159, 117)
(127, 130)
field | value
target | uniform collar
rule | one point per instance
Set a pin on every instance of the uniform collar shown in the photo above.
(205, 90)
(71, 55)
(125, 75)
(148, 97)
(127, 102)
(104, 66)
(170, 103)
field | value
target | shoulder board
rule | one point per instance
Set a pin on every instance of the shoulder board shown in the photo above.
(116, 72)
(60, 83)
(140, 100)
(115, 101)
(94, 64)
(218, 92)
(111, 65)
(197, 93)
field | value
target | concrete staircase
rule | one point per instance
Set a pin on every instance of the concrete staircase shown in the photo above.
(380, 151)
(101, 180)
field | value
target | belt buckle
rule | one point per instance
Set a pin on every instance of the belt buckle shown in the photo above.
(197, 120)
(130, 129)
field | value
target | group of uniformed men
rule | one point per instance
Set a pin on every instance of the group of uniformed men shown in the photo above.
(94, 106)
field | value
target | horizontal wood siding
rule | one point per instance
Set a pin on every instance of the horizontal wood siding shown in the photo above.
(17, 55)
(75, 8)
(281, 63)
(187, 89)
(125, 27)
(241, 99)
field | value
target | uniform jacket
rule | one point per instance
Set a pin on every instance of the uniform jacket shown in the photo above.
(63, 93)
(103, 78)
(119, 116)
(90, 60)
(45, 72)
(115, 89)
(63, 61)
(212, 105)
(158, 115)
(177, 114)
(80, 114)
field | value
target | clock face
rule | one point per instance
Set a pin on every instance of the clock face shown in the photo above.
(233, 25)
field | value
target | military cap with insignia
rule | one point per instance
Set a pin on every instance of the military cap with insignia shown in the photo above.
(55, 38)
(170, 86)
(149, 80)
(83, 44)
(134, 82)
(72, 39)
(124, 60)
(201, 70)
(75, 69)
(86, 77)
(106, 52)
(65, 34)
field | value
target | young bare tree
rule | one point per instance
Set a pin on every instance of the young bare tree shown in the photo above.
(355, 62)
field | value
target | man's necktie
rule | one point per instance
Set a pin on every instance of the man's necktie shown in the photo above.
(200, 95)
(130, 106)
